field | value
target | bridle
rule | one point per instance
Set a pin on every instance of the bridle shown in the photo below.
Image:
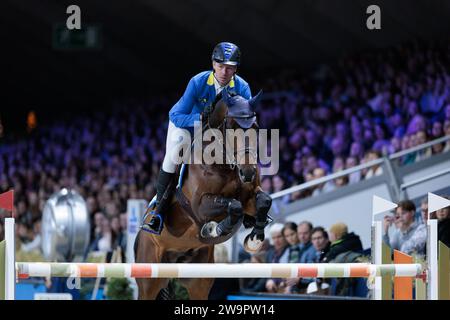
(230, 158)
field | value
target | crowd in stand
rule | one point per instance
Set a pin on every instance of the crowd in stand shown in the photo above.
(368, 106)
(404, 230)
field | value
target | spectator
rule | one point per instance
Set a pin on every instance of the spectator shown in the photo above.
(421, 138)
(320, 242)
(123, 220)
(35, 243)
(355, 176)
(222, 287)
(279, 253)
(375, 170)
(106, 240)
(255, 284)
(422, 217)
(342, 242)
(307, 255)
(447, 133)
(278, 185)
(322, 187)
(118, 235)
(266, 184)
(345, 248)
(99, 218)
(407, 237)
(443, 216)
(289, 232)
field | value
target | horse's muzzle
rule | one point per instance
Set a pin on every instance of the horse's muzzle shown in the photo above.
(247, 174)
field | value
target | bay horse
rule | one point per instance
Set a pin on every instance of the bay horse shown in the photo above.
(210, 205)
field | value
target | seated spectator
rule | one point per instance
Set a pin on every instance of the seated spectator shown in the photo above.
(443, 216)
(106, 240)
(447, 133)
(342, 242)
(255, 284)
(99, 219)
(103, 240)
(375, 170)
(351, 162)
(321, 243)
(406, 237)
(437, 148)
(278, 185)
(322, 187)
(35, 244)
(222, 287)
(23, 233)
(266, 184)
(341, 181)
(279, 253)
(289, 232)
(421, 138)
(307, 255)
(345, 248)
(307, 250)
(394, 146)
(123, 229)
(118, 236)
(422, 216)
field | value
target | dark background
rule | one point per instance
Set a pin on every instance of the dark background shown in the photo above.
(152, 48)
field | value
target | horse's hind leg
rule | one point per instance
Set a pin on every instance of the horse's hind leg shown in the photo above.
(146, 252)
(149, 288)
(199, 288)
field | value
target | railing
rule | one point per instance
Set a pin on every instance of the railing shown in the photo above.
(367, 165)
(327, 178)
(419, 147)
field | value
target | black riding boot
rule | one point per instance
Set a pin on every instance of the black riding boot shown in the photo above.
(157, 221)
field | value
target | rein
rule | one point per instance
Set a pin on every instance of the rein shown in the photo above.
(230, 158)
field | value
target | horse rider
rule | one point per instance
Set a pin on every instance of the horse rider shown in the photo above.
(195, 105)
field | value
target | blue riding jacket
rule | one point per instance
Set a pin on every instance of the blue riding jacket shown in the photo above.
(201, 92)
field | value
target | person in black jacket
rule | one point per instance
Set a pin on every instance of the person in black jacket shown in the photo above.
(321, 242)
(443, 216)
(345, 248)
(255, 284)
(223, 287)
(342, 241)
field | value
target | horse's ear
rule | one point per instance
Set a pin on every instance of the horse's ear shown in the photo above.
(254, 101)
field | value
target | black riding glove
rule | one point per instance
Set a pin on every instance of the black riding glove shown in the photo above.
(206, 113)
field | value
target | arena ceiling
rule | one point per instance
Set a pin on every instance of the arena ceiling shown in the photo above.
(151, 46)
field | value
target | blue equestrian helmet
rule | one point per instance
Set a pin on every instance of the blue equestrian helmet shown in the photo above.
(227, 53)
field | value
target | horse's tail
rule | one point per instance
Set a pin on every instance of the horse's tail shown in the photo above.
(165, 294)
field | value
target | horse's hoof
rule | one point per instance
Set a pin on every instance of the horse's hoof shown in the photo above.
(209, 230)
(252, 245)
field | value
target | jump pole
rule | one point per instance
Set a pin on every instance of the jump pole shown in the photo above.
(10, 255)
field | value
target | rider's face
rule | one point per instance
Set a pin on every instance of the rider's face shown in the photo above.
(223, 72)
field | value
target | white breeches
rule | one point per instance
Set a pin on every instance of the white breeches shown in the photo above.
(176, 139)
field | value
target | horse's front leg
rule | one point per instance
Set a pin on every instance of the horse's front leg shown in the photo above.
(253, 242)
(234, 211)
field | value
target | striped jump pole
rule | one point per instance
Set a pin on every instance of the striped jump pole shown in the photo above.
(215, 270)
